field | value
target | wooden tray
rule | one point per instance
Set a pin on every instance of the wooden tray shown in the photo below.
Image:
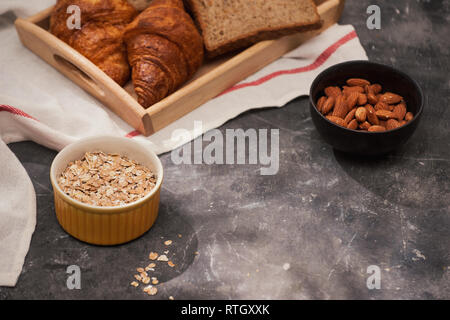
(213, 77)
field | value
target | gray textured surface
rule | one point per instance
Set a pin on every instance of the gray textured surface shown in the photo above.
(327, 214)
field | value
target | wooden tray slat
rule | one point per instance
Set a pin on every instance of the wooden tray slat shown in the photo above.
(213, 77)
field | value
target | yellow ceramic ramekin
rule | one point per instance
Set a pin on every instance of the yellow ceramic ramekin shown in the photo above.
(106, 225)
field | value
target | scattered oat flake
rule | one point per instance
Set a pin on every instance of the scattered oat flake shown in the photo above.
(153, 256)
(168, 242)
(143, 274)
(140, 270)
(171, 298)
(166, 252)
(146, 280)
(180, 235)
(155, 281)
(171, 264)
(163, 257)
(196, 253)
(137, 277)
(135, 284)
(150, 290)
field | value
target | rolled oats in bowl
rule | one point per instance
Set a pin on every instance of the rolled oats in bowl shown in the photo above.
(106, 180)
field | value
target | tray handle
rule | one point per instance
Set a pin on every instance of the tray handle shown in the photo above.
(80, 70)
(69, 67)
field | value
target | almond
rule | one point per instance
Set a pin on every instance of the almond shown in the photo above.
(385, 114)
(362, 99)
(352, 99)
(340, 107)
(400, 111)
(376, 88)
(320, 103)
(348, 90)
(365, 125)
(392, 124)
(328, 105)
(381, 106)
(332, 91)
(372, 98)
(353, 124)
(371, 115)
(358, 82)
(409, 116)
(378, 96)
(337, 120)
(361, 114)
(391, 98)
(376, 129)
(349, 117)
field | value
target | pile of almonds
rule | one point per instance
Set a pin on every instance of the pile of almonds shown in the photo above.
(362, 106)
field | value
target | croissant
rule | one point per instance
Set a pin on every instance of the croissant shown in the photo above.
(164, 50)
(100, 38)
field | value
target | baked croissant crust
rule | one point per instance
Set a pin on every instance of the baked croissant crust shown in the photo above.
(100, 38)
(164, 50)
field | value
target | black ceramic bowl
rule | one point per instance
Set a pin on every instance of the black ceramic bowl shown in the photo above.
(363, 142)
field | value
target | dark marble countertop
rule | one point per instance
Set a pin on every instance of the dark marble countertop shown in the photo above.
(309, 232)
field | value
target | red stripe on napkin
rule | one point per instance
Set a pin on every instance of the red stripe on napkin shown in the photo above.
(15, 111)
(132, 134)
(317, 63)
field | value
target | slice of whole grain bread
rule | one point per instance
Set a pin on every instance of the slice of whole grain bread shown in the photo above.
(227, 25)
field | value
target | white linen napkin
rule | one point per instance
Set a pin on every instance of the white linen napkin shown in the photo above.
(38, 103)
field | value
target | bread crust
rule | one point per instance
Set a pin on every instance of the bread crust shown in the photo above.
(247, 39)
